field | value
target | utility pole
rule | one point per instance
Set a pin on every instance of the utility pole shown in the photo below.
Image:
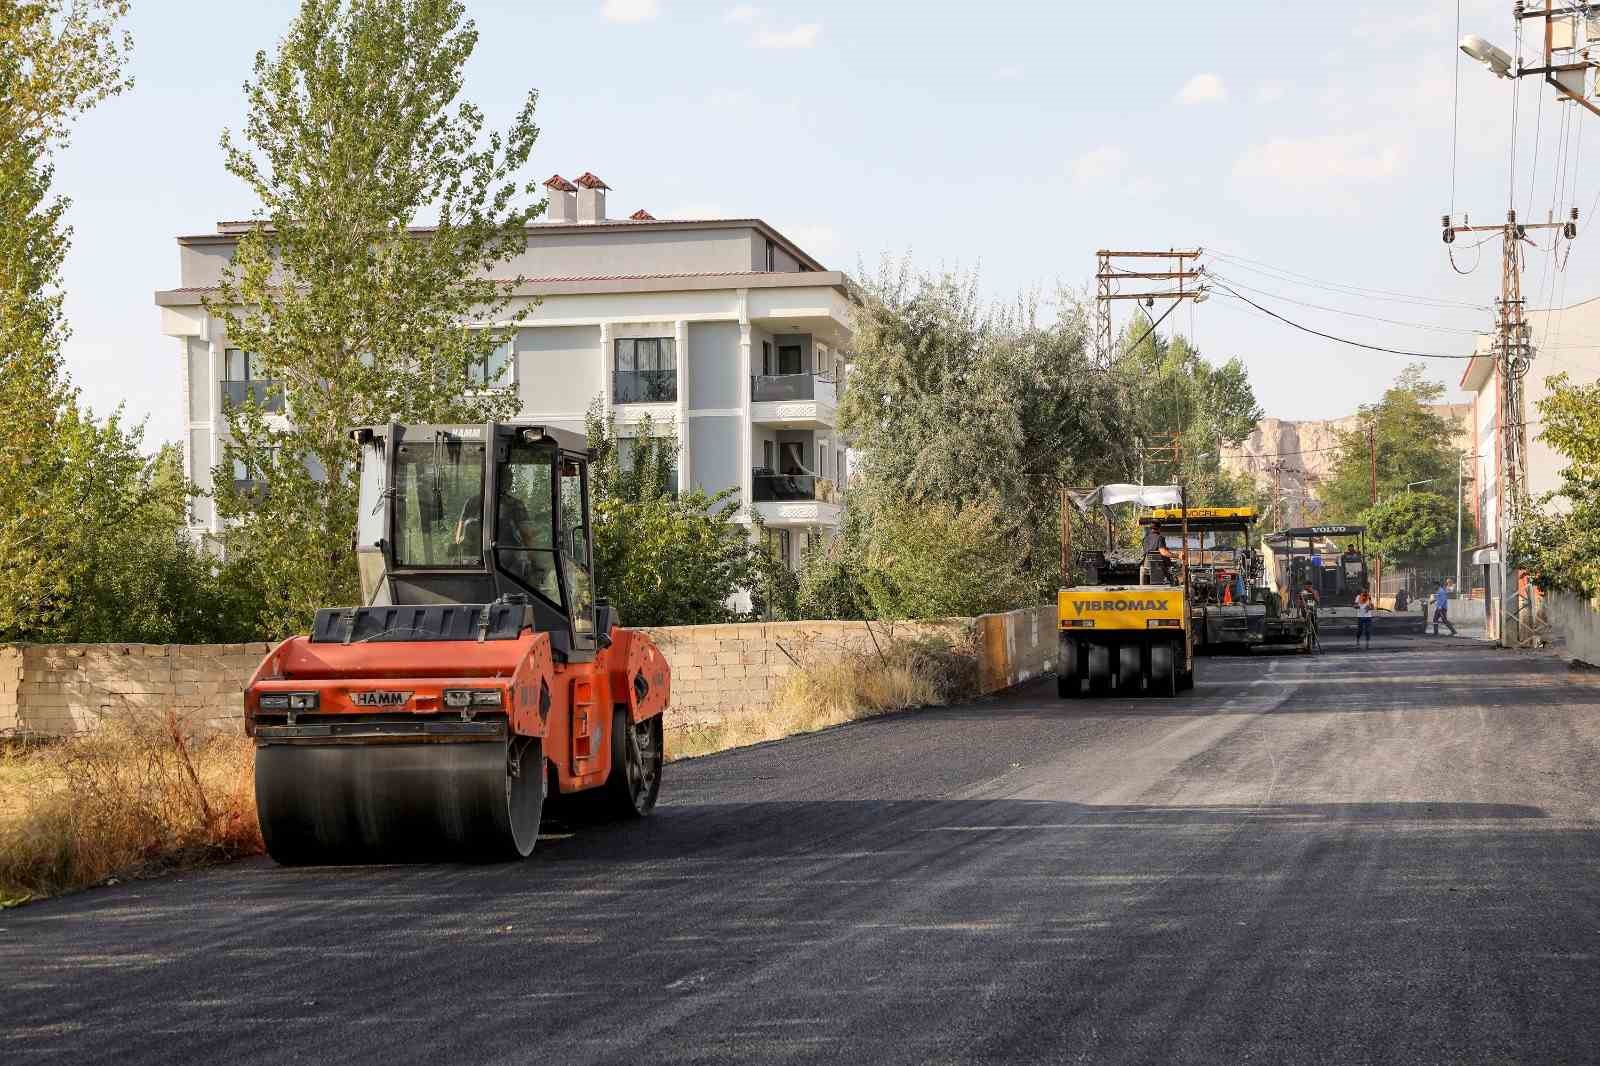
(1566, 30)
(1172, 288)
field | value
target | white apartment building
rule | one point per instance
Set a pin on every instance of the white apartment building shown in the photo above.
(1565, 340)
(723, 329)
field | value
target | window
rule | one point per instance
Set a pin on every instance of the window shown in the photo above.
(793, 457)
(839, 460)
(766, 358)
(438, 504)
(524, 536)
(492, 370)
(646, 370)
(237, 365)
(575, 548)
(248, 481)
(766, 456)
(772, 256)
(628, 449)
(789, 359)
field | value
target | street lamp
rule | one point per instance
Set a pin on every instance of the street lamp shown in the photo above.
(1498, 60)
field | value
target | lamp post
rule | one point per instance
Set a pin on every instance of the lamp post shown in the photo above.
(1460, 462)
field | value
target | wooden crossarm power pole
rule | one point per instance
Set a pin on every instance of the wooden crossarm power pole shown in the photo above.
(1182, 283)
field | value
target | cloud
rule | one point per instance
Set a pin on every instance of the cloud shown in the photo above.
(799, 37)
(1008, 74)
(1098, 164)
(629, 10)
(1202, 89)
(741, 13)
(1320, 161)
(1269, 92)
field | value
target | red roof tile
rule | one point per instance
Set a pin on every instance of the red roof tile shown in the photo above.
(642, 215)
(559, 184)
(589, 181)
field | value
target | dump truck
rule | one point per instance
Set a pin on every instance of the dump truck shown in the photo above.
(1231, 608)
(1126, 629)
(479, 675)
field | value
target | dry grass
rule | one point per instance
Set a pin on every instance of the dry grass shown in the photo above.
(133, 798)
(833, 688)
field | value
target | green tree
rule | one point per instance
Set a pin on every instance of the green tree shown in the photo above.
(939, 560)
(952, 403)
(354, 131)
(662, 558)
(1175, 394)
(1557, 538)
(92, 544)
(1413, 444)
(1415, 529)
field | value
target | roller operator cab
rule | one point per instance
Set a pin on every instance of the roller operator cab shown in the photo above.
(479, 676)
(1125, 630)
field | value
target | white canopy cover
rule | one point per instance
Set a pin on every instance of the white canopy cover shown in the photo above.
(1143, 495)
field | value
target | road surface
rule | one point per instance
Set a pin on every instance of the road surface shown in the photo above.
(1379, 857)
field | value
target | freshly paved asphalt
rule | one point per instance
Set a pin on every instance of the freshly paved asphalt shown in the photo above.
(1380, 857)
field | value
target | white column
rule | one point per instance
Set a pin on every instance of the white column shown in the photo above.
(680, 331)
(606, 363)
(213, 408)
(746, 481)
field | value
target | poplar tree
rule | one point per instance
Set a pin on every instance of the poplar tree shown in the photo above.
(356, 134)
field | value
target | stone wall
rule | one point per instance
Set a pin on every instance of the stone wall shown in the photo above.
(1578, 621)
(722, 671)
(56, 689)
(718, 671)
(1015, 647)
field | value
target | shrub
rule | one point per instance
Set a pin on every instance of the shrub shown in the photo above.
(133, 797)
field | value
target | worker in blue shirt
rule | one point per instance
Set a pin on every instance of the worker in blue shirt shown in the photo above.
(1441, 610)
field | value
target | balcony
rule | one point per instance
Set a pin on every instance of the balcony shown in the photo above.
(797, 401)
(794, 499)
(266, 394)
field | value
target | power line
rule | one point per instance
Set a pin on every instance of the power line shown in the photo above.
(1337, 339)
(1343, 311)
(1256, 266)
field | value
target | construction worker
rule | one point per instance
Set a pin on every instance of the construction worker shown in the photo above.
(1155, 548)
(1365, 610)
(1441, 610)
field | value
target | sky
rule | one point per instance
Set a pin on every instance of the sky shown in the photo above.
(1308, 149)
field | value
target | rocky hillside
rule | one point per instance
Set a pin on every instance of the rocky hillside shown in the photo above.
(1291, 458)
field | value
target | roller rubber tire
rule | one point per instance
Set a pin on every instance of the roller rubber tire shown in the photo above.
(1130, 669)
(1069, 670)
(1163, 669)
(366, 803)
(1099, 668)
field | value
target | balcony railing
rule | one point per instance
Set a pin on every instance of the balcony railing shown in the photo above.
(644, 386)
(779, 488)
(766, 388)
(267, 394)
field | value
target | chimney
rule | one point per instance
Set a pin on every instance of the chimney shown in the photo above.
(563, 200)
(591, 198)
